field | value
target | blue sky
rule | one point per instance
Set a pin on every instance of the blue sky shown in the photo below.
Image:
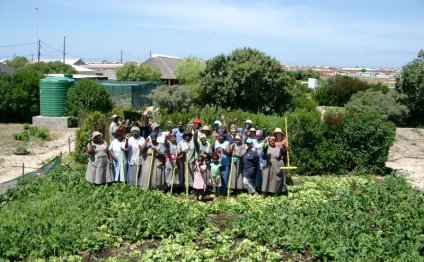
(315, 32)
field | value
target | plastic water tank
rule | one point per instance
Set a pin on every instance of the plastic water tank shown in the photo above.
(53, 94)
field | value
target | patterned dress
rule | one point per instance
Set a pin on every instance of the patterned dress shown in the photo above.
(237, 168)
(274, 178)
(171, 167)
(98, 169)
(119, 167)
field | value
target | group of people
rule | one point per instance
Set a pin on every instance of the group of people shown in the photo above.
(221, 159)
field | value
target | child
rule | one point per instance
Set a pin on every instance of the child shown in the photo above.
(199, 183)
(216, 173)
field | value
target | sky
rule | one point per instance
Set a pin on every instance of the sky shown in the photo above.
(360, 33)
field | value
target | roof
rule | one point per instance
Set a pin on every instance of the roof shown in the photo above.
(166, 65)
(5, 69)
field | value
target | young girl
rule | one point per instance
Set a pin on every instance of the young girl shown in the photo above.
(199, 183)
(216, 173)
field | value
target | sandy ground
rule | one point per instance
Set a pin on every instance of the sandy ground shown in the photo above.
(40, 152)
(407, 153)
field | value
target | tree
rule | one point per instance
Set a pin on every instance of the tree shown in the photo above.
(338, 90)
(246, 79)
(189, 70)
(383, 104)
(411, 86)
(131, 71)
(18, 62)
(175, 98)
(304, 74)
(20, 97)
(55, 67)
(87, 96)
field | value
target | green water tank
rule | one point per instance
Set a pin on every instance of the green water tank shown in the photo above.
(53, 94)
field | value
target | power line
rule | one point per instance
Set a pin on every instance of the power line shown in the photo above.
(18, 45)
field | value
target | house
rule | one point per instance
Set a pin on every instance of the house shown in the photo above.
(5, 69)
(106, 69)
(166, 65)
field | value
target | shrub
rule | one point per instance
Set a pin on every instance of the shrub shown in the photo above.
(41, 132)
(175, 98)
(131, 71)
(87, 96)
(383, 104)
(93, 121)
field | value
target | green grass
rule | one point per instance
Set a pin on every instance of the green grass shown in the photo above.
(60, 217)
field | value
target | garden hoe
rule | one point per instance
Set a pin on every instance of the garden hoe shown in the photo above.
(173, 171)
(186, 171)
(288, 167)
(151, 168)
(231, 171)
(122, 160)
(138, 167)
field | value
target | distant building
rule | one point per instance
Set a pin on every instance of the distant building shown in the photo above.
(5, 69)
(166, 65)
(104, 69)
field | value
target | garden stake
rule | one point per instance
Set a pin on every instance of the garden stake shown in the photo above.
(151, 169)
(186, 178)
(122, 166)
(288, 167)
(231, 171)
(138, 167)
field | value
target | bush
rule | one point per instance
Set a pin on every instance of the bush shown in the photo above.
(41, 132)
(342, 143)
(87, 96)
(339, 89)
(94, 121)
(175, 98)
(131, 71)
(383, 104)
(20, 96)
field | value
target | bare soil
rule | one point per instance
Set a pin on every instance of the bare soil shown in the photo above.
(40, 151)
(407, 154)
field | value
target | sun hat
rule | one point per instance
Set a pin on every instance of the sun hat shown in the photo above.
(217, 122)
(135, 129)
(248, 121)
(252, 129)
(113, 116)
(95, 133)
(202, 136)
(205, 128)
(155, 125)
(278, 130)
(197, 121)
(237, 137)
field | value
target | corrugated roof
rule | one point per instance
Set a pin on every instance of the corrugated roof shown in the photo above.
(165, 64)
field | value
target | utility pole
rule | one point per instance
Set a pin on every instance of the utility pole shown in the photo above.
(38, 40)
(38, 51)
(64, 53)
(121, 56)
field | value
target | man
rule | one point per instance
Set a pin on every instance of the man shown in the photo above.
(113, 127)
(250, 165)
(179, 131)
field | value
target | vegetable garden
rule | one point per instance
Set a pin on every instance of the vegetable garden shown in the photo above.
(60, 217)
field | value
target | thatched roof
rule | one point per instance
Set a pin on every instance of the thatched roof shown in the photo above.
(166, 65)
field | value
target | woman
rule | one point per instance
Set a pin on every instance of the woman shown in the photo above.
(250, 166)
(207, 131)
(237, 171)
(280, 140)
(274, 179)
(153, 173)
(117, 154)
(133, 146)
(171, 167)
(186, 152)
(259, 144)
(99, 166)
(223, 148)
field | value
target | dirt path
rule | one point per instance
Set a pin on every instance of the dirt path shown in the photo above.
(40, 153)
(407, 153)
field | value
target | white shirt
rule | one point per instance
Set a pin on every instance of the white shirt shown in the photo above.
(133, 149)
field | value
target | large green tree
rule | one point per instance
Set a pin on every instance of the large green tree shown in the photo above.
(189, 70)
(247, 79)
(411, 86)
(131, 71)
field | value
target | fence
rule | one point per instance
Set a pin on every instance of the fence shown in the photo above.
(41, 171)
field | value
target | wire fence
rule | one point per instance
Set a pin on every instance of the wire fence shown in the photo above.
(40, 171)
